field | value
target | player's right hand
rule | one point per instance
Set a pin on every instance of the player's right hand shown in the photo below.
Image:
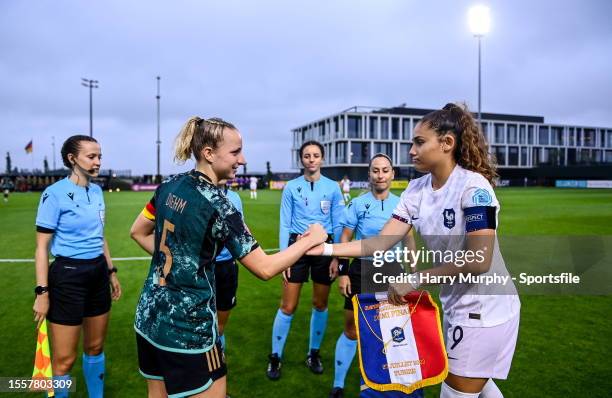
(317, 233)
(40, 308)
(344, 284)
(315, 250)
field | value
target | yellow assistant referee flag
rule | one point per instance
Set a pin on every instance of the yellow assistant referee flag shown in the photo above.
(42, 361)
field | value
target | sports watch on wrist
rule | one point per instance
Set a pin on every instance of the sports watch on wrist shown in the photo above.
(113, 270)
(38, 290)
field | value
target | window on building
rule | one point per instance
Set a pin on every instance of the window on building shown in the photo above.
(395, 128)
(543, 135)
(500, 155)
(578, 137)
(500, 137)
(524, 156)
(341, 152)
(571, 137)
(596, 156)
(404, 153)
(557, 136)
(384, 147)
(360, 152)
(589, 137)
(384, 128)
(354, 127)
(405, 129)
(535, 156)
(608, 156)
(602, 134)
(414, 123)
(513, 156)
(373, 127)
(522, 134)
(571, 157)
(609, 139)
(484, 127)
(530, 135)
(512, 135)
(322, 130)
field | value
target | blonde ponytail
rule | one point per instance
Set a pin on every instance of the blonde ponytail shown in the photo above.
(182, 143)
(196, 134)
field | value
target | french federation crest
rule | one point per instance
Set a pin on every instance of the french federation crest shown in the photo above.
(481, 197)
(397, 334)
(449, 218)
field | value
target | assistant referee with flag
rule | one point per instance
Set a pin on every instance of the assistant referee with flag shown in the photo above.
(75, 292)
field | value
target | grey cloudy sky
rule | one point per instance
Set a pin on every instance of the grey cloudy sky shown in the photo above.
(269, 66)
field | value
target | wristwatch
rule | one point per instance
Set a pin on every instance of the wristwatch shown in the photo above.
(38, 290)
(113, 270)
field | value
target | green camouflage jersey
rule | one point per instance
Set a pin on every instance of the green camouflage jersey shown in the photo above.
(194, 220)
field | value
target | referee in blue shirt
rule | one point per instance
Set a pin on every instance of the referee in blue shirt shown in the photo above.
(75, 292)
(310, 198)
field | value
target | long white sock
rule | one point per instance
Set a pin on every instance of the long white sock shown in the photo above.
(491, 390)
(448, 392)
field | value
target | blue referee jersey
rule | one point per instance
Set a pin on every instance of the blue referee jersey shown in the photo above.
(305, 203)
(225, 254)
(75, 215)
(367, 215)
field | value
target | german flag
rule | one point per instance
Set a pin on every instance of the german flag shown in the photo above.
(30, 147)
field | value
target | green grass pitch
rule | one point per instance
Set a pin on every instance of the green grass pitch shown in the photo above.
(564, 343)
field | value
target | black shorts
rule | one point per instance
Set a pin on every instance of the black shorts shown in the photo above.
(226, 282)
(318, 266)
(183, 374)
(78, 289)
(355, 278)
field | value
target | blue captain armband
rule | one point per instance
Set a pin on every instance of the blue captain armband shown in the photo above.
(480, 217)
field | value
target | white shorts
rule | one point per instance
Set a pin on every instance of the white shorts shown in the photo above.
(481, 352)
(253, 187)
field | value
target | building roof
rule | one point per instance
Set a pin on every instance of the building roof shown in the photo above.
(485, 115)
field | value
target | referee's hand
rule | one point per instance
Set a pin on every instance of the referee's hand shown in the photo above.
(115, 287)
(40, 308)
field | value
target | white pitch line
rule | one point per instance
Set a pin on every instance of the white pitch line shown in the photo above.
(31, 260)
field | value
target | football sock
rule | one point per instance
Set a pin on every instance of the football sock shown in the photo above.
(280, 330)
(318, 324)
(448, 392)
(59, 392)
(345, 351)
(93, 370)
(491, 390)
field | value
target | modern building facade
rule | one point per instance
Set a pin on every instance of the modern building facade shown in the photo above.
(520, 144)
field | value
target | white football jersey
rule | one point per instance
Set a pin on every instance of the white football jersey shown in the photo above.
(253, 183)
(346, 185)
(442, 217)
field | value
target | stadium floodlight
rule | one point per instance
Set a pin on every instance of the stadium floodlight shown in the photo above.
(479, 20)
(91, 84)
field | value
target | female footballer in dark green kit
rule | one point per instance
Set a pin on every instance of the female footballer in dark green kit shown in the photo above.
(176, 320)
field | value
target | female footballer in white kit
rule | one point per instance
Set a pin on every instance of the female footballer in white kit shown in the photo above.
(454, 207)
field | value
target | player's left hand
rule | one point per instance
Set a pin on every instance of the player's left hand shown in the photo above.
(115, 286)
(397, 291)
(333, 268)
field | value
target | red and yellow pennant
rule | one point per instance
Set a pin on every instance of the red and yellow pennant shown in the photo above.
(42, 361)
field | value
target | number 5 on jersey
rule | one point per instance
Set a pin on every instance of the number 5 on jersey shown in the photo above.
(168, 226)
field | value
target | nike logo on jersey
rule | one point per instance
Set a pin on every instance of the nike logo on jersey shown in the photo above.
(71, 195)
(45, 196)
